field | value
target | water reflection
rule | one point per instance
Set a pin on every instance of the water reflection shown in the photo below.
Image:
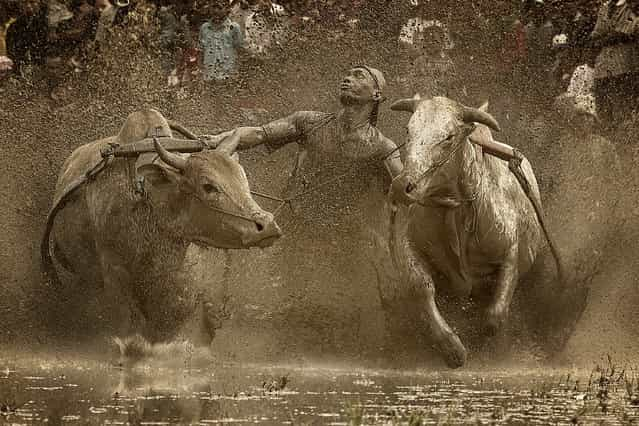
(83, 392)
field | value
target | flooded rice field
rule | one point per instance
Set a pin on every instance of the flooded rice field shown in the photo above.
(90, 392)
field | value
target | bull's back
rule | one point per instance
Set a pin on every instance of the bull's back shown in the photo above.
(138, 125)
(81, 160)
(80, 225)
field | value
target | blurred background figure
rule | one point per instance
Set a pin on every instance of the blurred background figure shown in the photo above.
(220, 39)
(180, 24)
(265, 27)
(71, 25)
(616, 34)
(6, 64)
(169, 39)
(577, 104)
(26, 38)
(107, 16)
(432, 71)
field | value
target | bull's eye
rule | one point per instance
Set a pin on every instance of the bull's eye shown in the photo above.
(448, 139)
(210, 189)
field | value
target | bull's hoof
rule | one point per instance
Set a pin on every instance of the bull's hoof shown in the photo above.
(495, 320)
(453, 351)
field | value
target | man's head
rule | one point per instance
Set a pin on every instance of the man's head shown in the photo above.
(30, 8)
(260, 5)
(6, 65)
(218, 12)
(362, 85)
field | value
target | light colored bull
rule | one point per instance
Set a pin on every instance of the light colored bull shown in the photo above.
(135, 245)
(469, 218)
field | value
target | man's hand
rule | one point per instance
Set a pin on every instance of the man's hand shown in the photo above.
(6, 65)
(214, 140)
(241, 137)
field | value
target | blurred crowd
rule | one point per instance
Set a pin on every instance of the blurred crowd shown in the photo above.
(586, 51)
(197, 38)
(581, 55)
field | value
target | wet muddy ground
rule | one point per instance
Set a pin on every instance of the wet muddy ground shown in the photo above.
(90, 392)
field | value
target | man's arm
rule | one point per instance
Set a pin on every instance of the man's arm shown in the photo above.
(238, 37)
(276, 133)
(391, 156)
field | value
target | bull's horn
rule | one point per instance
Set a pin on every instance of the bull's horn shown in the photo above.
(475, 115)
(229, 144)
(173, 160)
(408, 104)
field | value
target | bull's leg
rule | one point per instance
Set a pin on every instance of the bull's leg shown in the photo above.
(507, 278)
(418, 275)
(118, 294)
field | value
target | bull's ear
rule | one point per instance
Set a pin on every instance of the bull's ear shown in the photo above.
(159, 174)
(407, 104)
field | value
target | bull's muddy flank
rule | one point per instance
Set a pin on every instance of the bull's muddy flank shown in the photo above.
(344, 212)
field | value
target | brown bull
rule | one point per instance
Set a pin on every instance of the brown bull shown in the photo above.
(469, 218)
(134, 245)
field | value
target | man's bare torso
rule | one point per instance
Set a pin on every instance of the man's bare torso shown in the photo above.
(341, 173)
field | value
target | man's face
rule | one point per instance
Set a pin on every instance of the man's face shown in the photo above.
(31, 7)
(218, 13)
(357, 86)
(102, 4)
(6, 65)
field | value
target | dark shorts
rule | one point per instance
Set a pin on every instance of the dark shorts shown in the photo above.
(617, 99)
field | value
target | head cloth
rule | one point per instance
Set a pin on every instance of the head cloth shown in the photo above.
(377, 96)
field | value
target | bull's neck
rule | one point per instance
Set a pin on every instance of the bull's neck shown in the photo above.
(159, 230)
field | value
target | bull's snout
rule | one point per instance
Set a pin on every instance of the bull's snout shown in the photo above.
(402, 190)
(266, 231)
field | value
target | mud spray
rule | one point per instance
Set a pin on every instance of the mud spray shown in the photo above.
(589, 186)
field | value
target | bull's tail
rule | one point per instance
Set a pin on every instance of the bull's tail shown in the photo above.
(47, 266)
(49, 252)
(392, 236)
(49, 273)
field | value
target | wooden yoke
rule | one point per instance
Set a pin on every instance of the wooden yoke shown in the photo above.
(134, 149)
(483, 137)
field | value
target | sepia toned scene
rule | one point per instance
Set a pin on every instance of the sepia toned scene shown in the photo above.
(319, 212)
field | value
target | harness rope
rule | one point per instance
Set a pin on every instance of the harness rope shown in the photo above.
(288, 200)
(437, 165)
(514, 164)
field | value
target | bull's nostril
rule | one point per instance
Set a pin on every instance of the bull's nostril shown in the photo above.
(259, 226)
(409, 188)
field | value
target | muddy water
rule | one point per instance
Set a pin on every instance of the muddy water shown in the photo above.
(89, 392)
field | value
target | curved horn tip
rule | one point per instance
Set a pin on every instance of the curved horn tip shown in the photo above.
(476, 115)
(173, 160)
(409, 104)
